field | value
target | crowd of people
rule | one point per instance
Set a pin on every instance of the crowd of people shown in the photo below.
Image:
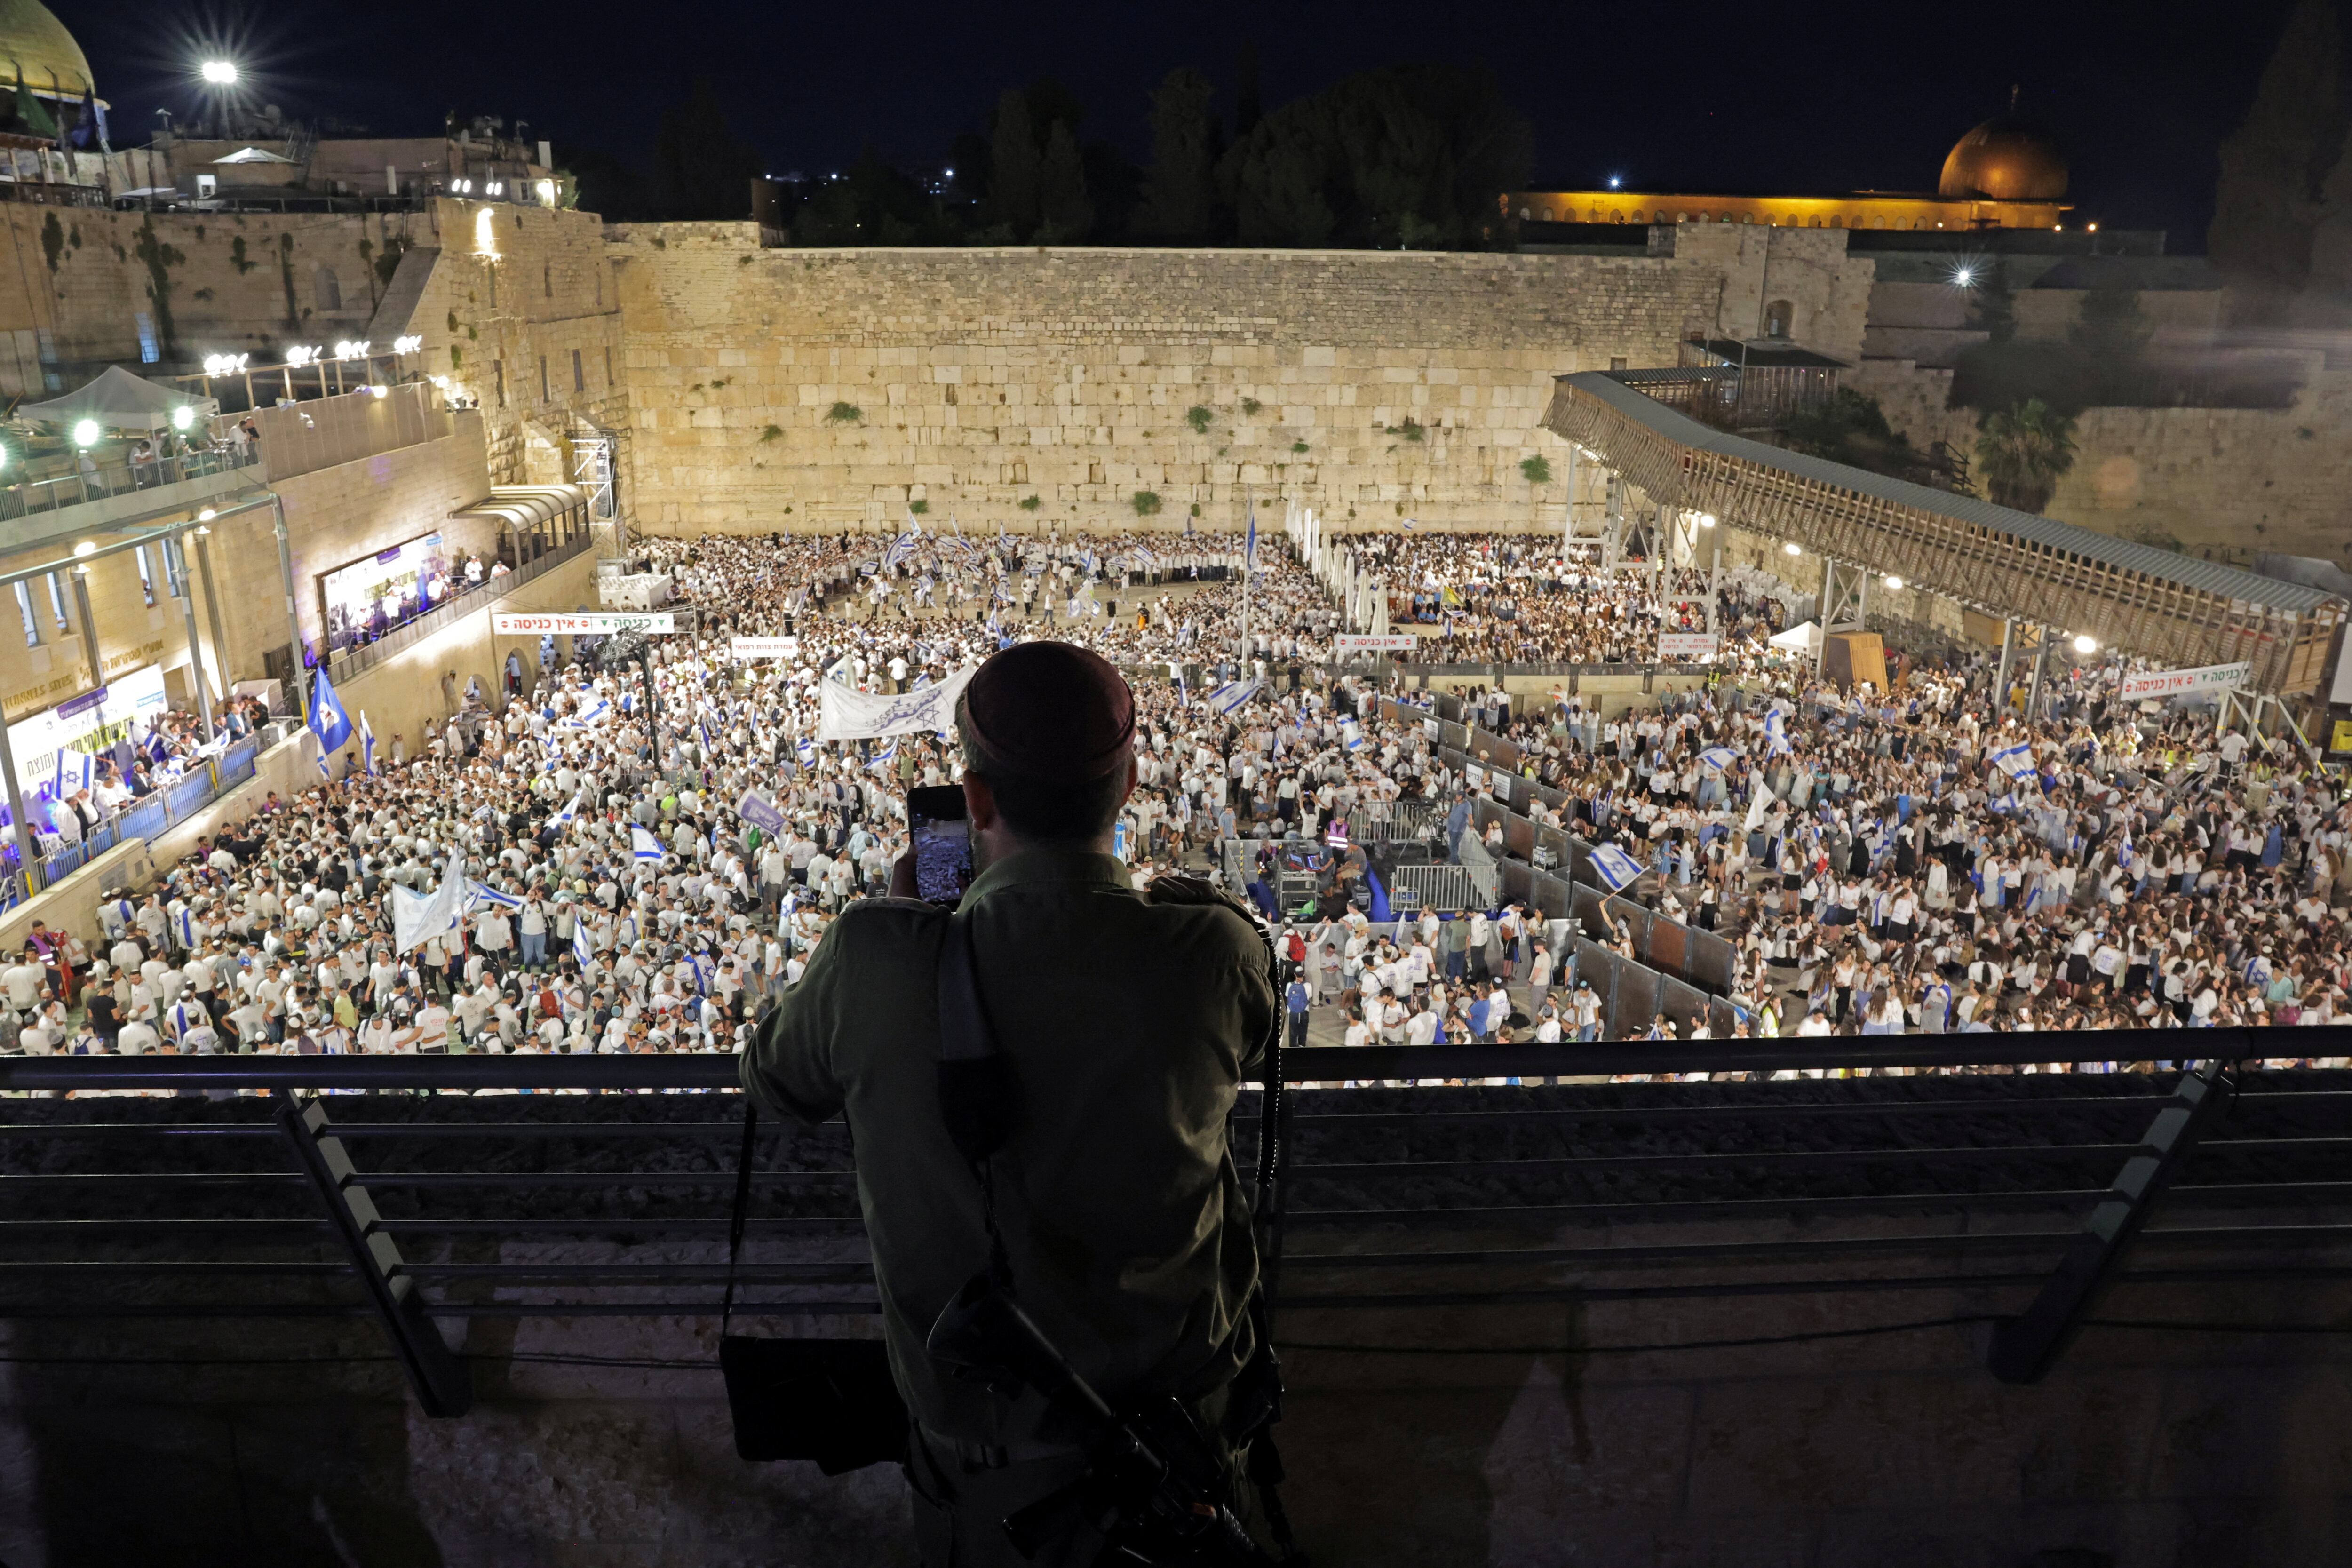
(648, 840)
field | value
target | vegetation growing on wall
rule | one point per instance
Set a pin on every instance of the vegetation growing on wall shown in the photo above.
(159, 259)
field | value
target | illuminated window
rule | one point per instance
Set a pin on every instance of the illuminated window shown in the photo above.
(146, 575)
(24, 611)
(57, 602)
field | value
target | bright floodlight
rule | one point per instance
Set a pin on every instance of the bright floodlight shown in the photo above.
(1793, 549)
(1707, 520)
(183, 416)
(86, 547)
(1964, 277)
(1893, 582)
(86, 433)
(1615, 180)
(2086, 644)
(220, 73)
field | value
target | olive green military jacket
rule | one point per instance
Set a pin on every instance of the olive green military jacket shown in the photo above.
(1129, 1019)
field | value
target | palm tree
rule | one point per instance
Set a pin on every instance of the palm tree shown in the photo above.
(2024, 452)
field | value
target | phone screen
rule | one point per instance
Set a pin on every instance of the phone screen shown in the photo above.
(942, 851)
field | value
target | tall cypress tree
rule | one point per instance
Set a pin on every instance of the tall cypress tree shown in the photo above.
(1066, 214)
(1179, 187)
(1015, 176)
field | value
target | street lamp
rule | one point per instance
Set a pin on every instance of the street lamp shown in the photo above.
(220, 73)
(86, 433)
(1793, 548)
(1893, 582)
(2086, 644)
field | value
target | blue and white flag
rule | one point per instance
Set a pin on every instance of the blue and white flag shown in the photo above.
(901, 548)
(1776, 735)
(2015, 761)
(1249, 544)
(2124, 853)
(327, 719)
(1719, 757)
(1616, 867)
(580, 948)
(367, 745)
(806, 750)
(1225, 699)
(564, 818)
(645, 846)
(1351, 735)
(760, 813)
(587, 716)
(483, 893)
(880, 760)
(866, 716)
(76, 771)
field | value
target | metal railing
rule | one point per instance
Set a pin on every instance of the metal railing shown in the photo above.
(113, 473)
(209, 1201)
(449, 611)
(146, 818)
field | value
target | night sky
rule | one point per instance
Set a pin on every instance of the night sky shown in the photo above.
(1701, 95)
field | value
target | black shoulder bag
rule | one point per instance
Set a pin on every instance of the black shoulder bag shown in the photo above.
(830, 1401)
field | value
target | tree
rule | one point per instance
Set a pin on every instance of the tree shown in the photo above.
(1993, 310)
(1249, 93)
(1179, 187)
(1065, 213)
(1400, 156)
(2023, 452)
(700, 172)
(1017, 170)
(2267, 203)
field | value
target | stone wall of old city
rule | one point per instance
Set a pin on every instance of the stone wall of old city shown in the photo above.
(826, 388)
(2218, 483)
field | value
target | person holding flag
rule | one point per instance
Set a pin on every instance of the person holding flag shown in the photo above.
(327, 720)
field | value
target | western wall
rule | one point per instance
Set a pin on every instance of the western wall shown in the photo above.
(780, 388)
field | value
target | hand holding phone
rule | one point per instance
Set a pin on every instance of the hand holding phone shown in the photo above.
(942, 840)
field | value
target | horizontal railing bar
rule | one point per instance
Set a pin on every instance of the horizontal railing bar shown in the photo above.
(1317, 1064)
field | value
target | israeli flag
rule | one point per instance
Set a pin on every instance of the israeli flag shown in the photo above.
(580, 948)
(1351, 735)
(1719, 757)
(76, 771)
(806, 750)
(327, 719)
(565, 818)
(2124, 853)
(1249, 544)
(367, 745)
(1776, 734)
(2015, 761)
(645, 846)
(587, 716)
(1616, 867)
(880, 760)
(1409, 525)
(483, 893)
(1225, 699)
(1076, 608)
(901, 548)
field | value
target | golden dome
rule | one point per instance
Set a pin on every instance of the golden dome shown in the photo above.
(2009, 159)
(33, 42)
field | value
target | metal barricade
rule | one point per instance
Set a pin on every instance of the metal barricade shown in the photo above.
(1446, 889)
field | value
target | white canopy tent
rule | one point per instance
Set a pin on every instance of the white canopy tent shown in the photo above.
(118, 400)
(1805, 638)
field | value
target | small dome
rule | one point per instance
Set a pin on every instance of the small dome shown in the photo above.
(2008, 158)
(33, 42)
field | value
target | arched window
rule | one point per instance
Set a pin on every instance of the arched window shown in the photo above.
(1615, 216)
(1879, 220)
(1684, 217)
(1777, 316)
(328, 291)
(1548, 215)
(1525, 214)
